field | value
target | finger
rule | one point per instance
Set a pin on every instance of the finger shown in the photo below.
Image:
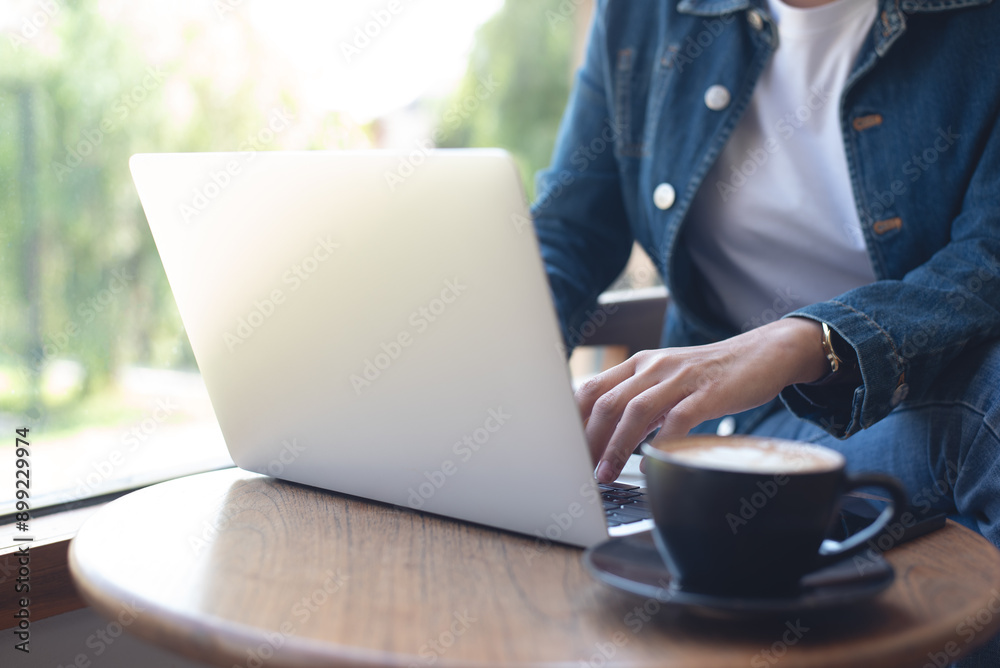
(592, 390)
(653, 426)
(608, 410)
(643, 412)
(684, 417)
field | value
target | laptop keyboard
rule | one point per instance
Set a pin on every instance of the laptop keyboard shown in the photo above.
(624, 504)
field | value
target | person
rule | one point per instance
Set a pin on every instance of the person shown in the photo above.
(816, 181)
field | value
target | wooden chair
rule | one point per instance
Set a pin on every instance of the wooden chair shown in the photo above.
(629, 321)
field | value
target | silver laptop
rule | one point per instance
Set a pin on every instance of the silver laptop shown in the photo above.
(379, 324)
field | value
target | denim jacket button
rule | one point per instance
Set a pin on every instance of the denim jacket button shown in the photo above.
(717, 98)
(755, 19)
(664, 196)
(899, 395)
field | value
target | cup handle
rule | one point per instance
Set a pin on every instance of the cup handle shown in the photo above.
(832, 551)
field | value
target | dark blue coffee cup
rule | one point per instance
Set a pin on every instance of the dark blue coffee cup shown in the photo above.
(747, 516)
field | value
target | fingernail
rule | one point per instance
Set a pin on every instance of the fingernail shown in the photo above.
(605, 472)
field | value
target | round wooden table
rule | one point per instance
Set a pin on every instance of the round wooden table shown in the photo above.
(233, 568)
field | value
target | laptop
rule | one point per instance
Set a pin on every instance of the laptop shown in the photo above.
(380, 324)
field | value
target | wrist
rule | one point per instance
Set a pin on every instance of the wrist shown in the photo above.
(801, 341)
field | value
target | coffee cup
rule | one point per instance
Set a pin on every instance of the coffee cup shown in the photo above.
(747, 516)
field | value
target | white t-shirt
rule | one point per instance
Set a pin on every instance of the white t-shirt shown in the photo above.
(775, 226)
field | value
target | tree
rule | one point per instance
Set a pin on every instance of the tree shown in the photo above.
(525, 54)
(78, 96)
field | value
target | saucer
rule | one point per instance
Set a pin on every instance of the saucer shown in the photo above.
(632, 564)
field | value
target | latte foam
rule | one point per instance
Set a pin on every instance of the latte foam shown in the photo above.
(759, 456)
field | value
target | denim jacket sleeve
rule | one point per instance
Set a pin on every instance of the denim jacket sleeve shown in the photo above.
(906, 332)
(579, 214)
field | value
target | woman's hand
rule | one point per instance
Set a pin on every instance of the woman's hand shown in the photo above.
(677, 389)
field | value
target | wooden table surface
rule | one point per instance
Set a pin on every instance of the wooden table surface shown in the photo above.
(233, 569)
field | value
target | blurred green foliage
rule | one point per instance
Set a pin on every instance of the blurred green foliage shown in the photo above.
(81, 280)
(81, 277)
(525, 52)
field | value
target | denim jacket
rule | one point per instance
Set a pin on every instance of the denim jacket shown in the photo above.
(919, 119)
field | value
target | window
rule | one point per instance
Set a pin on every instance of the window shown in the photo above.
(93, 356)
